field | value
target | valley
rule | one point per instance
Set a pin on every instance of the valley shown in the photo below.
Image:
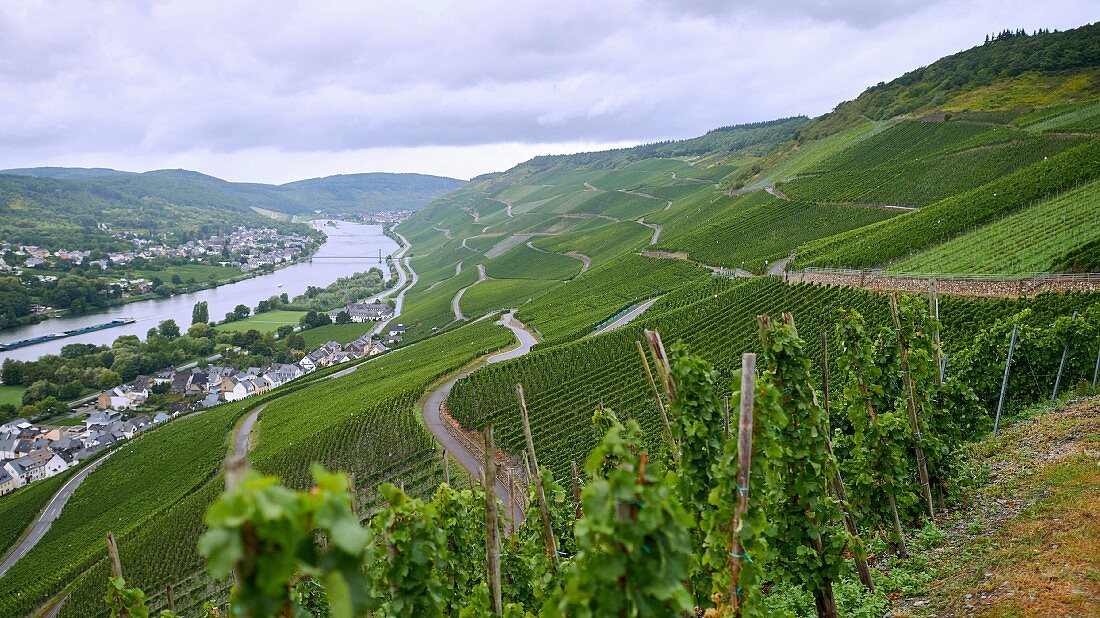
(903, 295)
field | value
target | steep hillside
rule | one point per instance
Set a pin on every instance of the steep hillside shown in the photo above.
(977, 79)
(367, 193)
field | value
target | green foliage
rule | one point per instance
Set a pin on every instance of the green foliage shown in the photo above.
(523, 262)
(633, 540)
(808, 551)
(927, 87)
(265, 534)
(916, 163)
(19, 509)
(943, 220)
(750, 237)
(1037, 238)
(574, 309)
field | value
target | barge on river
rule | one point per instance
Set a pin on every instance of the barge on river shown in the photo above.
(22, 343)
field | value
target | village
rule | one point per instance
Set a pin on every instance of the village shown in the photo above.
(30, 452)
(245, 248)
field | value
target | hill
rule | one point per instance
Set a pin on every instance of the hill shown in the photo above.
(367, 193)
(60, 207)
(940, 167)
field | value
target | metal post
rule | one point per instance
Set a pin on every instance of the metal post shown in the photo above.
(1096, 370)
(1004, 381)
(1062, 364)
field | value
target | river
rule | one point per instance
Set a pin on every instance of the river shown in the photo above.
(336, 258)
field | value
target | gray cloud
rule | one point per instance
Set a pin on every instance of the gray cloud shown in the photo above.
(163, 79)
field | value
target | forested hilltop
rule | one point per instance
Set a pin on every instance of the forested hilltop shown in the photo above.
(61, 207)
(893, 308)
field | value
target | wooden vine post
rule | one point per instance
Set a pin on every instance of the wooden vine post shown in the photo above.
(116, 566)
(171, 598)
(660, 404)
(914, 421)
(744, 466)
(536, 475)
(446, 468)
(837, 481)
(492, 527)
(903, 550)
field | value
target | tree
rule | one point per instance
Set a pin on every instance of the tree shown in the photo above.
(38, 391)
(241, 311)
(12, 373)
(177, 280)
(200, 313)
(168, 329)
(199, 330)
(294, 341)
(343, 318)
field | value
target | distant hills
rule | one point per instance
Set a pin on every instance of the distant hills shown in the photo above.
(60, 206)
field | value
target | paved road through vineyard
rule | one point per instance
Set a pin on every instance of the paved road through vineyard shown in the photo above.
(53, 509)
(434, 403)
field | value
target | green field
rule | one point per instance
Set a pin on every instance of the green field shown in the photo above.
(751, 237)
(1035, 239)
(340, 333)
(263, 322)
(577, 307)
(139, 485)
(906, 234)
(523, 262)
(503, 294)
(12, 395)
(916, 163)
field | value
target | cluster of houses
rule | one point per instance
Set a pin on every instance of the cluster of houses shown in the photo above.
(254, 248)
(30, 453)
(212, 385)
(364, 312)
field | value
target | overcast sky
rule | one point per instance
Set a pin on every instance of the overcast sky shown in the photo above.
(274, 91)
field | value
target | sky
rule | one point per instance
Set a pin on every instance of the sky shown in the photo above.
(275, 91)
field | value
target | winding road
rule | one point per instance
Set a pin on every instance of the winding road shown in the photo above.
(45, 519)
(242, 439)
(433, 406)
(586, 262)
(457, 300)
(653, 226)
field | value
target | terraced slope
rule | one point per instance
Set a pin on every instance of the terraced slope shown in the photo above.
(915, 231)
(1038, 238)
(736, 235)
(915, 163)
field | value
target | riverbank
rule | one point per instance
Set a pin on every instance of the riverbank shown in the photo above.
(349, 248)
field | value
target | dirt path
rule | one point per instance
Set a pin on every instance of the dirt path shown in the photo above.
(777, 267)
(439, 426)
(457, 300)
(586, 261)
(653, 226)
(771, 190)
(590, 187)
(668, 203)
(242, 439)
(683, 257)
